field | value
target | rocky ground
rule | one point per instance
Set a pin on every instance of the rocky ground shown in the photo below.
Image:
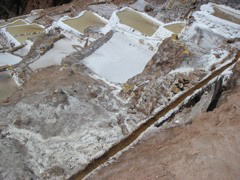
(206, 147)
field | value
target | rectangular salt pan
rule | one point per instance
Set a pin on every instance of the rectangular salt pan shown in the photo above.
(22, 33)
(119, 59)
(88, 19)
(137, 21)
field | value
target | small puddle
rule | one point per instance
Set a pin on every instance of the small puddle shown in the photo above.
(138, 21)
(7, 85)
(88, 19)
(22, 33)
(226, 14)
(142, 128)
(175, 28)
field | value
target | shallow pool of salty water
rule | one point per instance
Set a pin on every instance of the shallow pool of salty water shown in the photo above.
(22, 33)
(88, 19)
(226, 14)
(7, 85)
(175, 28)
(22, 38)
(16, 23)
(138, 21)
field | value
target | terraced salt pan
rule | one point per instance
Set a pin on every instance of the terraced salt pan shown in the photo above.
(61, 49)
(119, 59)
(22, 33)
(104, 10)
(7, 85)
(137, 21)
(226, 14)
(15, 23)
(175, 27)
(25, 50)
(206, 19)
(26, 37)
(8, 59)
(88, 19)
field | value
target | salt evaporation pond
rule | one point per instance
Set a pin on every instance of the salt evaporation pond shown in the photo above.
(137, 21)
(7, 85)
(22, 33)
(15, 23)
(119, 59)
(88, 19)
(226, 14)
(175, 28)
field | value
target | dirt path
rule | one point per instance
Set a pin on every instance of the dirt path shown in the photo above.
(207, 149)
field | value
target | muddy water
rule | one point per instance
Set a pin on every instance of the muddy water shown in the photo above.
(132, 137)
(26, 37)
(137, 21)
(227, 15)
(7, 85)
(88, 19)
(17, 23)
(22, 33)
(175, 28)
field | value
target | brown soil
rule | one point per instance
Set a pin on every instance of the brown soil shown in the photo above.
(209, 148)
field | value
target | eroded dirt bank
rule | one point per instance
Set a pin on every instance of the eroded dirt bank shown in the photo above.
(209, 148)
